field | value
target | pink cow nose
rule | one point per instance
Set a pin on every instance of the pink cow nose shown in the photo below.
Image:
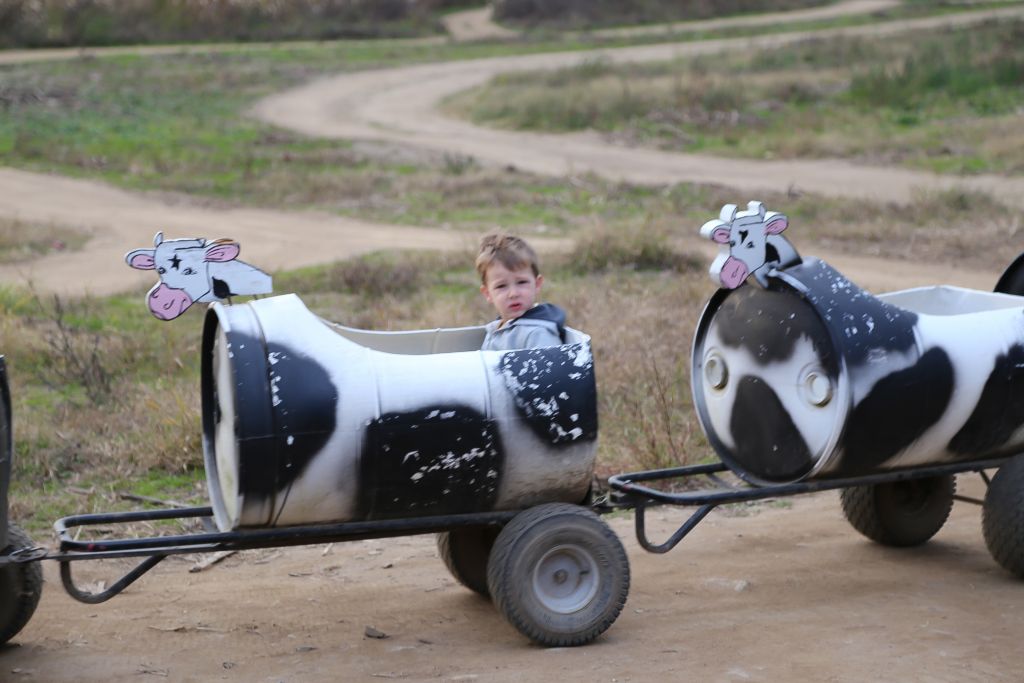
(733, 273)
(166, 303)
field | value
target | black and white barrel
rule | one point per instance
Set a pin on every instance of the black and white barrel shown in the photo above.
(812, 377)
(306, 421)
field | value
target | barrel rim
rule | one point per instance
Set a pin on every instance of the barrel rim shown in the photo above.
(843, 390)
(231, 320)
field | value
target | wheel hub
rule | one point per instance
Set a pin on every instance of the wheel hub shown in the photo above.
(565, 579)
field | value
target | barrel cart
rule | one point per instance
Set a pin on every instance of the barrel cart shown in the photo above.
(804, 382)
(314, 432)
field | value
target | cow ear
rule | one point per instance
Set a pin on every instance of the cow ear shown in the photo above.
(720, 235)
(222, 251)
(775, 224)
(140, 259)
(713, 230)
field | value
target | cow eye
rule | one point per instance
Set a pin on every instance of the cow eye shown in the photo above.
(161, 270)
(188, 271)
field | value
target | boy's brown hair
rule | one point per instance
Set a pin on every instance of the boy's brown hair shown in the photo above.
(508, 250)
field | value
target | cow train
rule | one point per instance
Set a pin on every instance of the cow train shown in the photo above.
(811, 376)
(801, 380)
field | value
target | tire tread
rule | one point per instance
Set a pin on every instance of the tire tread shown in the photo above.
(501, 585)
(863, 508)
(24, 581)
(461, 553)
(1002, 517)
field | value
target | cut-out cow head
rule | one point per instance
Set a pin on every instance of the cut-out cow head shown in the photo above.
(750, 243)
(194, 270)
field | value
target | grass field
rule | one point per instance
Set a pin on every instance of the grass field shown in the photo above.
(947, 101)
(106, 399)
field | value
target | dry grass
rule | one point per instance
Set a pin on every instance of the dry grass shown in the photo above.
(641, 325)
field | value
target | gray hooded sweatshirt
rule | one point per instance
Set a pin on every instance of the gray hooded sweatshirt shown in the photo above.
(542, 325)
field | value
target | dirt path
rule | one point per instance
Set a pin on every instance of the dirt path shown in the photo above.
(120, 221)
(784, 594)
(832, 11)
(401, 105)
(479, 24)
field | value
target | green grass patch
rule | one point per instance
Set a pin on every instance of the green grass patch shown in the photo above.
(946, 100)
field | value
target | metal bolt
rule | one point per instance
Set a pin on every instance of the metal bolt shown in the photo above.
(715, 371)
(818, 388)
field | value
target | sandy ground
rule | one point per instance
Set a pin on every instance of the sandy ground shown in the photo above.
(784, 592)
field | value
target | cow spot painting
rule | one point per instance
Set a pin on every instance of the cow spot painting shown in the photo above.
(195, 270)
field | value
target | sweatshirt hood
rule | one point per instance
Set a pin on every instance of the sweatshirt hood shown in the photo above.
(544, 312)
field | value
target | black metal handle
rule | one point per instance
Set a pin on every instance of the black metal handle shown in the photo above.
(118, 586)
(673, 541)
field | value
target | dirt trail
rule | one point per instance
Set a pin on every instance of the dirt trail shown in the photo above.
(479, 24)
(784, 594)
(120, 221)
(832, 11)
(401, 105)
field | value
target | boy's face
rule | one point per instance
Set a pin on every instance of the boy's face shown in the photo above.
(512, 292)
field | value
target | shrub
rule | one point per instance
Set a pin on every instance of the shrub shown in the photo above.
(645, 248)
(77, 355)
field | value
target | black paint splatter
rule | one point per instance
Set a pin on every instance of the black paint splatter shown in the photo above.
(554, 390)
(433, 461)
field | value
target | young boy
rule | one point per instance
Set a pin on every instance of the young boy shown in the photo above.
(511, 282)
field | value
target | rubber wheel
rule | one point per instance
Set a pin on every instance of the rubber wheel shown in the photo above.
(465, 552)
(21, 586)
(558, 574)
(901, 513)
(1002, 517)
